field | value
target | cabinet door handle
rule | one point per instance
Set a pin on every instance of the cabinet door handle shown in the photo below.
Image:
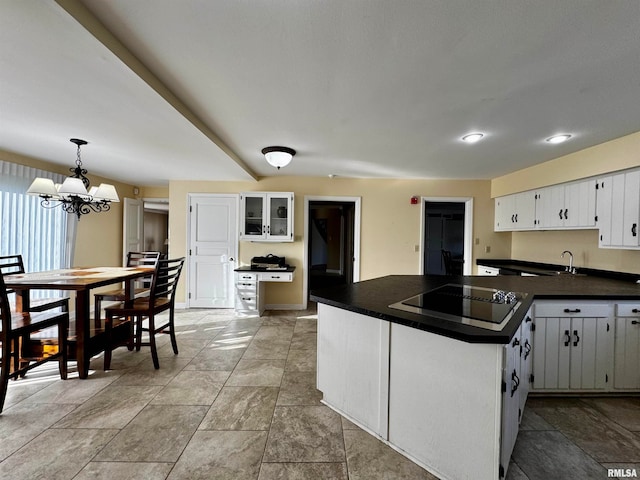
(244, 298)
(568, 310)
(635, 322)
(635, 310)
(560, 214)
(527, 349)
(575, 343)
(566, 213)
(515, 382)
(515, 343)
(528, 319)
(516, 218)
(634, 230)
(512, 218)
(567, 338)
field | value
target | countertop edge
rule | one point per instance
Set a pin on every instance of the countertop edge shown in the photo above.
(342, 298)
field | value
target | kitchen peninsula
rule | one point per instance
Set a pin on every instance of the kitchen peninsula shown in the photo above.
(435, 390)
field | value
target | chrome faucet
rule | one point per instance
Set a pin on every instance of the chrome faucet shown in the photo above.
(570, 268)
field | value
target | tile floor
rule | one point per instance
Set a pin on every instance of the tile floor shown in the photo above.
(239, 402)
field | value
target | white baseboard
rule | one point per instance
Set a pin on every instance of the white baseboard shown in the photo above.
(284, 306)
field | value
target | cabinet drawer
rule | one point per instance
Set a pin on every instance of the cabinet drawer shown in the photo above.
(246, 287)
(246, 302)
(275, 276)
(251, 277)
(628, 309)
(488, 271)
(571, 309)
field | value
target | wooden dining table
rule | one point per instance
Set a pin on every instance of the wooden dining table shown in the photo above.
(87, 339)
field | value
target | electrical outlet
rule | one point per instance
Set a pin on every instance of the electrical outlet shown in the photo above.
(477, 241)
(487, 249)
(416, 248)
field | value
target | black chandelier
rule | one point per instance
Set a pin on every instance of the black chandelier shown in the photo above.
(74, 195)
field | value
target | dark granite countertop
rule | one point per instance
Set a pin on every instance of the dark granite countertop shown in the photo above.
(373, 297)
(517, 267)
(272, 270)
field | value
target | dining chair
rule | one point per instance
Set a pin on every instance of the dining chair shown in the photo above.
(134, 259)
(18, 330)
(14, 264)
(161, 299)
(448, 264)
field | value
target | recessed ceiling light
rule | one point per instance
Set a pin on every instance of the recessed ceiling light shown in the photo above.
(559, 138)
(472, 137)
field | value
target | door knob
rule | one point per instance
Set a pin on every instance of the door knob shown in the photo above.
(231, 259)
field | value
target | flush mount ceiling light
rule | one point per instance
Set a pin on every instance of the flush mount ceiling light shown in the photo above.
(472, 137)
(72, 194)
(278, 156)
(558, 138)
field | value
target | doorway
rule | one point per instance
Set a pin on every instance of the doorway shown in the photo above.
(447, 226)
(332, 241)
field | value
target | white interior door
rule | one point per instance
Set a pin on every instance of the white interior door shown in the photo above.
(132, 227)
(213, 250)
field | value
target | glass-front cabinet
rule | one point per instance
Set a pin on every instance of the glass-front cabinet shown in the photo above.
(266, 216)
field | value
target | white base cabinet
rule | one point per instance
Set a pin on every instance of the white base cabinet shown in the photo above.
(627, 346)
(250, 297)
(572, 346)
(353, 366)
(428, 396)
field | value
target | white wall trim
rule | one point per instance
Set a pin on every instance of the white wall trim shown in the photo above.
(284, 306)
(356, 238)
(467, 268)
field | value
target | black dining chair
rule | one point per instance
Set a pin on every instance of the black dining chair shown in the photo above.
(162, 298)
(19, 329)
(448, 264)
(134, 259)
(14, 264)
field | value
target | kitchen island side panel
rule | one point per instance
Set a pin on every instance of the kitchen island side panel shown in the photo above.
(353, 366)
(445, 403)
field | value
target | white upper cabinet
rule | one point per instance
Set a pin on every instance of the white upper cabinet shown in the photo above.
(568, 206)
(619, 210)
(515, 212)
(565, 206)
(266, 216)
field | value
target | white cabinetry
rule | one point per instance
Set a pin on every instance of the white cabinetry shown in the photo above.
(516, 379)
(572, 346)
(250, 297)
(512, 376)
(569, 205)
(249, 294)
(266, 216)
(619, 210)
(488, 271)
(353, 366)
(515, 212)
(627, 346)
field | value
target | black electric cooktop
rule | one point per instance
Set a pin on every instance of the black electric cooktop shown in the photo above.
(477, 306)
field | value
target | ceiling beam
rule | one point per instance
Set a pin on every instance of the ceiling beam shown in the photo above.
(96, 28)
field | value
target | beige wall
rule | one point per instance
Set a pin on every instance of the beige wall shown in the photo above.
(390, 224)
(546, 246)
